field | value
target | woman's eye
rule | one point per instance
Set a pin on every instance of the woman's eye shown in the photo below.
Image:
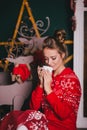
(46, 59)
(53, 58)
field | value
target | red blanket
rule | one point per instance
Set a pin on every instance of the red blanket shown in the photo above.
(33, 120)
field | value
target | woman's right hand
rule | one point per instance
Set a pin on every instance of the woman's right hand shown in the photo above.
(40, 75)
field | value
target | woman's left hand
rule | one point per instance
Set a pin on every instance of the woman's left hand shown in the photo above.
(47, 81)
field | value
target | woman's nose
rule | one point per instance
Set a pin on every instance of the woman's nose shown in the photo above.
(49, 62)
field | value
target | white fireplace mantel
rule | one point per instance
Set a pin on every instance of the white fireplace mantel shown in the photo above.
(79, 56)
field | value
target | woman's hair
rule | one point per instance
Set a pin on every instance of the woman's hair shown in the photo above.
(57, 42)
(60, 35)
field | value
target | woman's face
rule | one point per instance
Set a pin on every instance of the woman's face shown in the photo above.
(53, 58)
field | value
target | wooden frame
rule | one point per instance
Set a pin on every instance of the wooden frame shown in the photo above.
(79, 58)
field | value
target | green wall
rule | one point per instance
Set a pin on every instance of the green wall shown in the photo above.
(58, 11)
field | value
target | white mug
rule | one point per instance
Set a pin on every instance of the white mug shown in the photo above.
(50, 69)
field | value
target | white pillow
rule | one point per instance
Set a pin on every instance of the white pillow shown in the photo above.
(22, 127)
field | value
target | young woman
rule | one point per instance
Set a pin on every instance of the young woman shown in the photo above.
(58, 94)
(55, 101)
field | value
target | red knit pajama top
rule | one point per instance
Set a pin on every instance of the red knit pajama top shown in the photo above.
(60, 106)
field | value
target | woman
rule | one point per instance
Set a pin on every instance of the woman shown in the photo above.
(55, 101)
(58, 94)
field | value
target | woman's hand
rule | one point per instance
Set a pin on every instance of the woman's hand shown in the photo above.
(47, 81)
(45, 78)
(40, 75)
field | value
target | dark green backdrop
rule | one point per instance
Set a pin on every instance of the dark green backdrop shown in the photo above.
(58, 11)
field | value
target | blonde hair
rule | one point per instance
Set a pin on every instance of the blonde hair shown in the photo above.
(57, 42)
